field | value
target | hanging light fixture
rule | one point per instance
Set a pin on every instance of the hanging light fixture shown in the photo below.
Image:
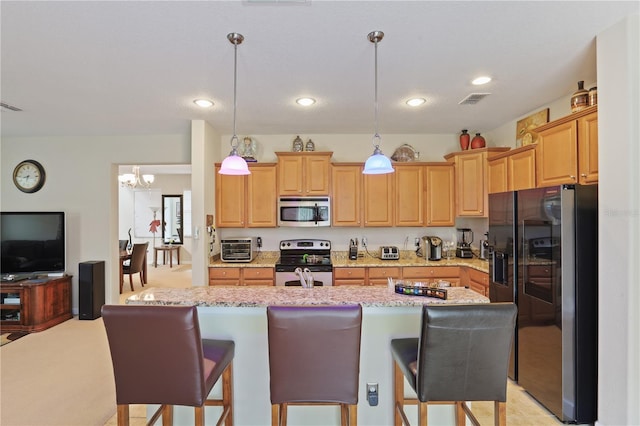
(234, 164)
(132, 180)
(378, 163)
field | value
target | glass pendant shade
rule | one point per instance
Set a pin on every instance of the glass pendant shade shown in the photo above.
(234, 165)
(377, 164)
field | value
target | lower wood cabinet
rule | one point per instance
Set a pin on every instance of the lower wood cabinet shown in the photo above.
(431, 274)
(477, 281)
(241, 276)
(349, 276)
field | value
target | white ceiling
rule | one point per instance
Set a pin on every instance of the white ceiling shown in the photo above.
(112, 68)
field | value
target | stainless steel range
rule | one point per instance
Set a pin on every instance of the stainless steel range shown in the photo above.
(310, 258)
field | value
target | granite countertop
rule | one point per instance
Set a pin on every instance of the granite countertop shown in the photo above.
(243, 296)
(341, 259)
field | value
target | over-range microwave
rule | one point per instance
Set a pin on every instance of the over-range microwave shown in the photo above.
(304, 211)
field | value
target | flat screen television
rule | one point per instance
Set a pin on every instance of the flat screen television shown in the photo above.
(32, 243)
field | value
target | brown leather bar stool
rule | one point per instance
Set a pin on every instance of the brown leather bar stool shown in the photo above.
(314, 358)
(461, 355)
(159, 358)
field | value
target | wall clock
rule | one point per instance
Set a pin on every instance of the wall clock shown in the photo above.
(29, 176)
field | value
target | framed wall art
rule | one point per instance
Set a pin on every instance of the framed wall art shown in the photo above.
(524, 129)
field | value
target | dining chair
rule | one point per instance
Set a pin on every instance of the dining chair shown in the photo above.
(136, 263)
(462, 354)
(159, 357)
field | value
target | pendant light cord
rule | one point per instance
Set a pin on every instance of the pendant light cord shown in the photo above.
(375, 37)
(235, 97)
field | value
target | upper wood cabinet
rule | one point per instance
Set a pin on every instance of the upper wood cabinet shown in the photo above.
(304, 173)
(358, 199)
(346, 191)
(512, 170)
(378, 199)
(471, 180)
(440, 194)
(248, 201)
(567, 150)
(409, 194)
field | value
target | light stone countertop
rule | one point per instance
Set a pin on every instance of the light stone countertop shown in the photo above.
(340, 259)
(248, 296)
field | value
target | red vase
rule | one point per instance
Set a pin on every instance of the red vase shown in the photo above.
(478, 142)
(464, 140)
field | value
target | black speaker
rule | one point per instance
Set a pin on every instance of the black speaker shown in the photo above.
(91, 289)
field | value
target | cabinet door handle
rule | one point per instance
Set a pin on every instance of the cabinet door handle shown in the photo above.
(572, 177)
(583, 175)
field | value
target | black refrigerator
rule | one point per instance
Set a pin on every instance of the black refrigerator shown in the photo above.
(545, 248)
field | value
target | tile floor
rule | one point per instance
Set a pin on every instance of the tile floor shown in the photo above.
(522, 410)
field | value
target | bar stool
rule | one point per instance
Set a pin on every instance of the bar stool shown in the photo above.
(462, 354)
(314, 358)
(159, 357)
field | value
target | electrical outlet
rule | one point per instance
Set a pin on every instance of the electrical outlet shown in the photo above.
(372, 394)
(416, 241)
(363, 240)
(259, 241)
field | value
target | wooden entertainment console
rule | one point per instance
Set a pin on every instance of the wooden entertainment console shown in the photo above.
(35, 304)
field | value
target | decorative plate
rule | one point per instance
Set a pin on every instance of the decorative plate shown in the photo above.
(405, 153)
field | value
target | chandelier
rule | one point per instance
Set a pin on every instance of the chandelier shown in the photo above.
(132, 180)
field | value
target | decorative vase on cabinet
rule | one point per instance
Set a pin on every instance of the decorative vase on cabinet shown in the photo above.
(580, 98)
(478, 142)
(464, 140)
(298, 145)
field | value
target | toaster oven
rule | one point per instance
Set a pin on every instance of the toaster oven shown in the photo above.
(240, 249)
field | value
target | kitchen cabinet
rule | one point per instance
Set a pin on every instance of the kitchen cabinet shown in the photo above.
(440, 194)
(241, 276)
(378, 199)
(380, 275)
(346, 191)
(512, 170)
(349, 276)
(567, 150)
(375, 275)
(430, 274)
(409, 194)
(248, 201)
(471, 180)
(304, 174)
(477, 281)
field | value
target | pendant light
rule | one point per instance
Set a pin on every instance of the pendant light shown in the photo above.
(234, 164)
(378, 163)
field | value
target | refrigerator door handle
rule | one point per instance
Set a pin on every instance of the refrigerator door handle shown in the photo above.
(500, 270)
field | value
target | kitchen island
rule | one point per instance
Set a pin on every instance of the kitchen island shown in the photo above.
(239, 313)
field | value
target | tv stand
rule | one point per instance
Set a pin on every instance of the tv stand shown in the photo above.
(35, 304)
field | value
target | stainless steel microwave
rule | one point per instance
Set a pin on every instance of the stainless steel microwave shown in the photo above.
(304, 211)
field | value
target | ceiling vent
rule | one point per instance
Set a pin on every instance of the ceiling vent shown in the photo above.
(473, 98)
(7, 107)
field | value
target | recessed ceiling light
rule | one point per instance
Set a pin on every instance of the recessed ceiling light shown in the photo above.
(481, 80)
(305, 101)
(414, 102)
(203, 103)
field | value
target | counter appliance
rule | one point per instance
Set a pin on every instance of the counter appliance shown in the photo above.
(430, 248)
(238, 249)
(311, 254)
(465, 238)
(545, 260)
(389, 253)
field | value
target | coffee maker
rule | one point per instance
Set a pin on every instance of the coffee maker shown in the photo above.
(465, 238)
(431, 248)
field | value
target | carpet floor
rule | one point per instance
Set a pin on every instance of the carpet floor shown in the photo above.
(63, 375)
